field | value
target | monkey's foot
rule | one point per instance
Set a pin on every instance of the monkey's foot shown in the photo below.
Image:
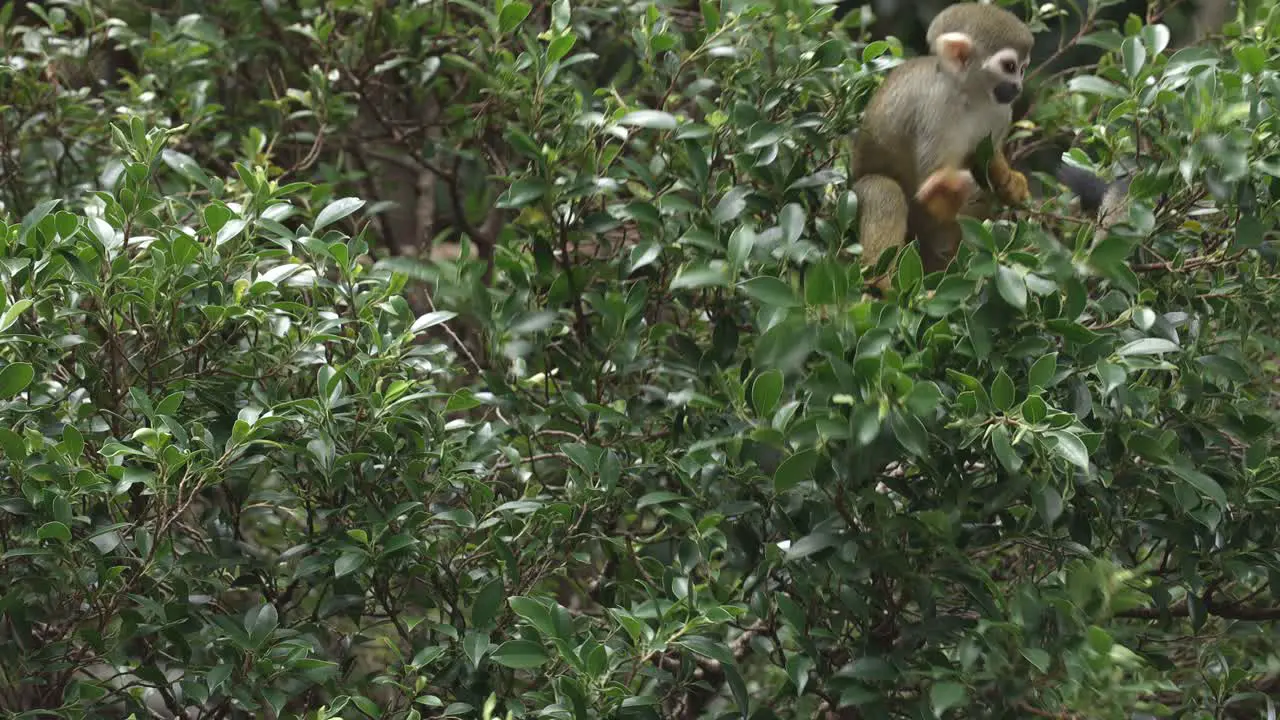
(1013, 188)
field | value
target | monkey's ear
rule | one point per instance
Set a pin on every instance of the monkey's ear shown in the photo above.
(955, 49)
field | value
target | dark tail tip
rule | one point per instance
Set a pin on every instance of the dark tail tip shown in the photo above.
(1090, 188)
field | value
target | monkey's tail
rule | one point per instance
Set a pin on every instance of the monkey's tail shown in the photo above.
(1090, 188)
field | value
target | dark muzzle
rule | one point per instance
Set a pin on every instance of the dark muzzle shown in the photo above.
(1006, 92)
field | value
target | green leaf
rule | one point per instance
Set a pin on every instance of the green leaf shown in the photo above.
(12, 313)
(700, 276)
(1148, 346)
(1002, 391)
(15, 448)
(1157, 37)
(230, 229)
(741, 241)
(72, 442)
(792, 221)
(431, 319)
(522, 192)
(428, 655)
(1204, 484)
(560, 47)
(1042, 371)
(1252, 58)
(798, 668)
(610, 470)
(810, 544)
(874, 50)
(769, 290)
(488, 600)
(1109, 255)
(336, 210)
(187, 167)
(1034, 409)
(33, 218)
(1224, 367)
(823, 284)
(766, 390)
(513, 13)
(217, 676)
(534, 613)
(731, 205)
(707, 647)
(54, 531)
(561, 15)
(652, 119)
(1012, 287)
(866, 424)
(910, 269)
(476, 645)
(520, 655)
(846, 210)
(1094, 85)
(1250, 231)
(910, 433)
(66, 223)
(1100, 640)
(946, 695)
(657, 497)
(1135, 56)
(348, 563)
(262, 623)
(1002, 445)
(1070, 448)
(710, 15)
(1111, 375)
(1048, 503)
(1037, 657)
(795, 470)
(365, 705)
(642, 255)
(14, 378)
(924, 398)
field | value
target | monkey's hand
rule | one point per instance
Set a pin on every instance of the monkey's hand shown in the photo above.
(1009, 184)
(945, 193)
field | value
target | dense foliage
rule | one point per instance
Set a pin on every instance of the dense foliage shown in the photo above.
(404, 360)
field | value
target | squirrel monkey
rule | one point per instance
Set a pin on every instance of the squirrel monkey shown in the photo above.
(933, 113)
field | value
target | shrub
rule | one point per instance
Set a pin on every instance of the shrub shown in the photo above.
(650, 452)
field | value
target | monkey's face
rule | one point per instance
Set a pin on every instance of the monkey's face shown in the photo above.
(1003, 73)
(997, 75)
(986, 47)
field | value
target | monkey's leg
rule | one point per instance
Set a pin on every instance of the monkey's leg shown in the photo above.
(941, 199)
(939, 237)
(1009, 184)
(882, 220)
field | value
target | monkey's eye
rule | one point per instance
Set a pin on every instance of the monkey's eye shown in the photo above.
(1009, 67)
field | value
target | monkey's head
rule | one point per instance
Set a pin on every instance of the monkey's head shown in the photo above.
(986, 47)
